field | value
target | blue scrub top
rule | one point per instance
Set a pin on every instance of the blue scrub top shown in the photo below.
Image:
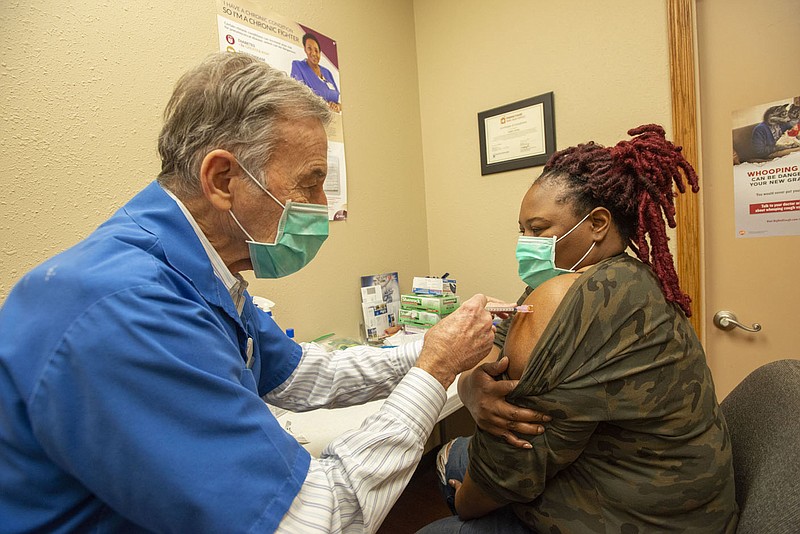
(125, 399)
(301, 71)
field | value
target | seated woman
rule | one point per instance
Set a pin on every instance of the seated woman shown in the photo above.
(637, 441)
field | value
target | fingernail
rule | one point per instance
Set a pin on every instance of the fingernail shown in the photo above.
(546, 418)
(527, 446)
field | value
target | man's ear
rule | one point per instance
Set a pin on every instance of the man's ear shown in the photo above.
(217, 170)
(601, 222)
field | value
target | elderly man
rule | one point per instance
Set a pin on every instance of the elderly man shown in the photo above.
(133, 365)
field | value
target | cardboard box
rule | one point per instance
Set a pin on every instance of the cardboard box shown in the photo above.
(418, 317)
(433, 286)
(441, 304)
(413, 329)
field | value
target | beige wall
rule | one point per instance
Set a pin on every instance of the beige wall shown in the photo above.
(608, 66)
(83, 85)
(83, 88)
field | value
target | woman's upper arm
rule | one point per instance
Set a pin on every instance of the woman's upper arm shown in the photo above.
(527, 328)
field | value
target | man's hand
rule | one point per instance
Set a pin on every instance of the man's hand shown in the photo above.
(458, 342)
(485, 398)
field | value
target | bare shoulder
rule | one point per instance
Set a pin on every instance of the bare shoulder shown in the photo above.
(527, 328)
(553, 291)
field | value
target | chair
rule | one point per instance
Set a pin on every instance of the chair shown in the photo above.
(763, 416)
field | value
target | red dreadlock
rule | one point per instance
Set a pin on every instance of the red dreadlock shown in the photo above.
(634, 181)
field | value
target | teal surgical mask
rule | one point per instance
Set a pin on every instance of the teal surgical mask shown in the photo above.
(537, 257)
(301, 231)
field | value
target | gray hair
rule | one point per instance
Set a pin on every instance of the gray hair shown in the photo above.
(233, 102)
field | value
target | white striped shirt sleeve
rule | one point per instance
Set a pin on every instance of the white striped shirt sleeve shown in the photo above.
(341, 378)
(361, 474)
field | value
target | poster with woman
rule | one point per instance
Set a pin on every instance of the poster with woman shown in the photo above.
(305, 54)
(766, 169)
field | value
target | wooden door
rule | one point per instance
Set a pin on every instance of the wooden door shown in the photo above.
(747, 55)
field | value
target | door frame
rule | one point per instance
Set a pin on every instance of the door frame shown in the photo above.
(682, 68)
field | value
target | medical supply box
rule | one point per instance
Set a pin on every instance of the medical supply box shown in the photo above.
(424, 285)
(413, 329)
(414, 326)
(441, 304)
(418, 317)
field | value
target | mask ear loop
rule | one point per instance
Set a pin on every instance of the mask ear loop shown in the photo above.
(264, 189)
(569, 232)
(241, 227)
(583, 258)
(576, 225)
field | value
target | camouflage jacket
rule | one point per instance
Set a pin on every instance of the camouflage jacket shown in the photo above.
(637, 442)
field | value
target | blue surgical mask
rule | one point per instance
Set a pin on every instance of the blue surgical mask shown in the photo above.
(537, 257)
(301, 231)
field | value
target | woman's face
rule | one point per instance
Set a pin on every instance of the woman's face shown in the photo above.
(312, 52)
(542, 216)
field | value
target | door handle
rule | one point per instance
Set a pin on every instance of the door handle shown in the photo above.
(726, 320)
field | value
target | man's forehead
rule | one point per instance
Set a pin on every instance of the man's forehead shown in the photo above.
(304, 136)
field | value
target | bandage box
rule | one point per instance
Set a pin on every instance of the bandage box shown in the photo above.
(441, 304)
(433, 286)
(413, 329)
(418, 317)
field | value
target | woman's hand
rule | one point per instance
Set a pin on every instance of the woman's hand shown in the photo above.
(484, 397)
(471, 502)
(456, 485)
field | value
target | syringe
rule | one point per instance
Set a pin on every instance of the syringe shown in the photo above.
(524, 308)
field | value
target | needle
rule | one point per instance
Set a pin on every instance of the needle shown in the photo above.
(524, 308)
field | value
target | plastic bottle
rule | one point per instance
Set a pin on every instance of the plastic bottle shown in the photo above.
(263, 304)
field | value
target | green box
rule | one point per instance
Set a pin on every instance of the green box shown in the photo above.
(441, 304)
(414, 324)
(418, 317)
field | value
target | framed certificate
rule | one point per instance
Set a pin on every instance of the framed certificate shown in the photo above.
(517, 135)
